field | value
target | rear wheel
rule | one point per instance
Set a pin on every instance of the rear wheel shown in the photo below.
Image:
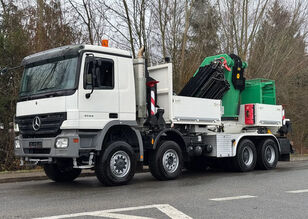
(267, 154)
(116, 165)
(62, 171)
(246, 156)
(166, 162)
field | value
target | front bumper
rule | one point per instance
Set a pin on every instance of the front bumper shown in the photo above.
(45, 147)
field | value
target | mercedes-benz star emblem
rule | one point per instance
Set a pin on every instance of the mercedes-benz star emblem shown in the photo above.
(36, 123)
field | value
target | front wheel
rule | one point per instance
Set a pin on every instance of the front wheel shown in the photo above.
(166, 162)
(246, 156)
(267, 154)
(62, 171)
(116, 165)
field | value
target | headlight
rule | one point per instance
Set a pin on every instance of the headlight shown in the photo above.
(16, 127)
(17, 144)
(62, 143)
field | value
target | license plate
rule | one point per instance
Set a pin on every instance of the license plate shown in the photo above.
(35, 144)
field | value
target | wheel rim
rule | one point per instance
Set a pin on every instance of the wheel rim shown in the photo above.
(270, 155)
(120, 164)
(170, 161)
(247, 156)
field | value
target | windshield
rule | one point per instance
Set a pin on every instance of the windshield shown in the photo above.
(49, 77)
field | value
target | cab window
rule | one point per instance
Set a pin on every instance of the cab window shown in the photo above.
(103, 72)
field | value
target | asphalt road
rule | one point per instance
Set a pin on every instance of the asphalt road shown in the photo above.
(279, 193)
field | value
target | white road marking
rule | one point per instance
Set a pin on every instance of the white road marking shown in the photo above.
(298, 191)
(115, 213)
(172, 212)
(232, 198)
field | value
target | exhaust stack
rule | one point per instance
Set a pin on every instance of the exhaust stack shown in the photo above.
(140, 85)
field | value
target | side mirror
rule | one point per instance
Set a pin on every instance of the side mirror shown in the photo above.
(90, 68)
(6, 69)
(3, 71)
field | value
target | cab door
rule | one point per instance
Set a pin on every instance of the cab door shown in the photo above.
(98, 91)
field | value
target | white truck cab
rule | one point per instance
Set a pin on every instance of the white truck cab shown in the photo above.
(64, 87)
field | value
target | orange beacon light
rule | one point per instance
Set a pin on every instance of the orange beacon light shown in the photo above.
(105, 43)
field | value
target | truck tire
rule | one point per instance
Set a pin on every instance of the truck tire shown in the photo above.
(267, 154)
(246, 156)
(166, 161)
(61, 172)
(116, 165)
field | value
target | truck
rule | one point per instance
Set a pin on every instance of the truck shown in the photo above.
(96, 107)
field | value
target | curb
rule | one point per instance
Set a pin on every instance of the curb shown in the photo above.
(13, 177)
(22, 179)
(298, 158)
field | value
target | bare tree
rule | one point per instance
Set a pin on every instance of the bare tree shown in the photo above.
(92, 15)
(188, 8)
(161, 13)
(241, 20)
(131, 39)
(132, 19)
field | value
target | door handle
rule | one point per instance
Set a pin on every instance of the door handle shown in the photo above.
(113, 115)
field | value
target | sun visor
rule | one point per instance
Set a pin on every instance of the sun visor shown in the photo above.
(64, 51)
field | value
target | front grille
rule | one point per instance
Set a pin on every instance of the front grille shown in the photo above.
(36, 150)
(50, 125)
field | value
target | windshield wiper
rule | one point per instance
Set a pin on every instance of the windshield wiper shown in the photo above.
(48, 76)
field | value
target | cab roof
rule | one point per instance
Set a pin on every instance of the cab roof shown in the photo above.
(70, 51)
